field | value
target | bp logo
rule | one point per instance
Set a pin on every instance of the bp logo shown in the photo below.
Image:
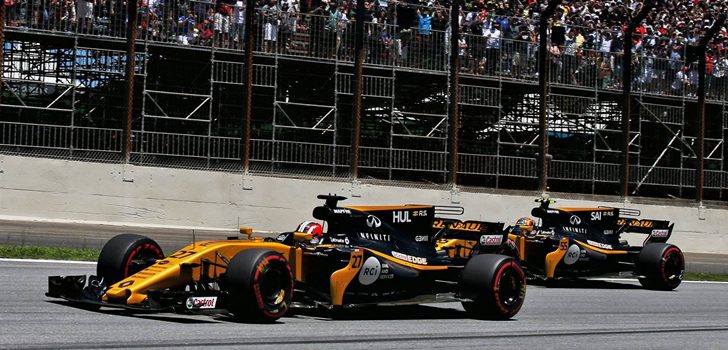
(370, 271)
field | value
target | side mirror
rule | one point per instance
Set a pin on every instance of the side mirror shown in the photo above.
(246, 231)
(302, 236)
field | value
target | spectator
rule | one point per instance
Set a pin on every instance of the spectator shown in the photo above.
(204, 33)
(238, 32)
(681, 80)
(333, 28)
(271, 18)
(492, 47)
(85, 11)
(221, 25)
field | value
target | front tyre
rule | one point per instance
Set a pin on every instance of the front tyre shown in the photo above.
(260, 284)
(125, 255)
(496, 285)
(662, 266)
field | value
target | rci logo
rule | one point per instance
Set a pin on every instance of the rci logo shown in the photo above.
(373, 221)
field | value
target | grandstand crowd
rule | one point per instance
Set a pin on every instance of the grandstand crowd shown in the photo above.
(497, 37)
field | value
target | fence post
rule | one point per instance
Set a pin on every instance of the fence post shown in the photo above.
(360, 53)
(543, 87)
(700, 165)
(248, 80)
(627, 91)
(454, 111)
(131, 34)
(2, 51)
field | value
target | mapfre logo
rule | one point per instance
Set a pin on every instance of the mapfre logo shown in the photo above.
(373, 221)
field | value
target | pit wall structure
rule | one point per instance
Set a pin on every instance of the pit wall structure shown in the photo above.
(51, 189)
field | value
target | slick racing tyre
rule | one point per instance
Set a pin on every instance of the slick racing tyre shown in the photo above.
(496, 284)
(260, 285)
(662, 266)
(125, 255)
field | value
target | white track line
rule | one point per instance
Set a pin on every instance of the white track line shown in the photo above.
(50, 261)
(635, 280)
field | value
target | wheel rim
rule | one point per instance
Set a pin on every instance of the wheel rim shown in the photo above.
(142, 257)
(672, 267)
(273, 286)
(509, 288)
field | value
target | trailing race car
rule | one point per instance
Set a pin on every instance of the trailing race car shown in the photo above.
(580, 242)
(367, 255)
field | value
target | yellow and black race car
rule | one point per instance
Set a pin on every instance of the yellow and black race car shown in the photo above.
(580, 242)
(366, 255)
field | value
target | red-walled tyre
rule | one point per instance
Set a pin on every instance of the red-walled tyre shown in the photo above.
(496, 284)
(661, 265)
(260, 284)
(125, 255)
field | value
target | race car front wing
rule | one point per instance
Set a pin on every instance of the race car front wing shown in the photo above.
(88, 291)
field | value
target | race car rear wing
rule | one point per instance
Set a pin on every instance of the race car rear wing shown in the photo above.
(658, 230)
(488, 235)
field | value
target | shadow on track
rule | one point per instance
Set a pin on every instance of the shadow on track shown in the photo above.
(150, 315)
(583, 284)
(403, 312)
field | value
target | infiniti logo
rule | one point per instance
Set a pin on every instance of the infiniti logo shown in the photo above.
(373, 221)
(575, 220)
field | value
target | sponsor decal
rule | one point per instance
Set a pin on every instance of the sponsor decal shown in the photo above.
(580, 230)
(635, 223)
(466, 226)
(375, 236)
(400, 216)
(342, 211)
(386, 277)
(599, 245)
(370, 271)
(281, 238)
(385, 268)
(344, 240)
(438, 223)
(491, 239)
(608, 232)
(419, 213)
(552, 211)
(373, 221)
(596, 215)
(422, 238)
(659, 233)
(572, 254)
(575, 220)
(314, 240)
(583, 256)
(410, 258)
(201, 302)
(458, 225)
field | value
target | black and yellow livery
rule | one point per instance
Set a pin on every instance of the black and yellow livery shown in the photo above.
(367, 255)
(581, 242)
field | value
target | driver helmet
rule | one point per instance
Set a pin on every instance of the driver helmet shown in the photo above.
(311, 227)
(525, 225)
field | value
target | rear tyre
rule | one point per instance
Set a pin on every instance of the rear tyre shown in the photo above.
(125, 255)
(496, 284)
(260, 285)
(662, 266)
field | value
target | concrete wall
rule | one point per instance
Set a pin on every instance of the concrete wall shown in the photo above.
(77, 191)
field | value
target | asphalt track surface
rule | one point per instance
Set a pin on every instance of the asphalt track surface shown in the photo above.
(593, 315)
